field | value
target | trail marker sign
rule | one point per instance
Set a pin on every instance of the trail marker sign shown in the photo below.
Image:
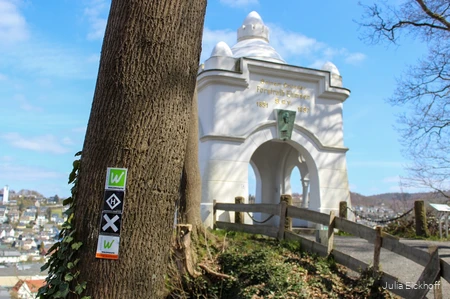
(109, 237)
(108, 247)
(116, 178)
(111, 223)
(113, 200)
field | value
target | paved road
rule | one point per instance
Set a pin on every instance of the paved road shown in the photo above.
(404, 269)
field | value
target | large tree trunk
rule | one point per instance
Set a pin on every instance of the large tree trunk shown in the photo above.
(190, 199)
(139, 120)
(191, 186)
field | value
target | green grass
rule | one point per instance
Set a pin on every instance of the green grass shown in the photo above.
(262, 267)
(58, 211)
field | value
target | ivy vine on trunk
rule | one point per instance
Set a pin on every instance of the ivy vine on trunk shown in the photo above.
(62, 265)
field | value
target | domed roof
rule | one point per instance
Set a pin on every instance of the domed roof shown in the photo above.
(221, 49)
(253, 40)
(329, 66)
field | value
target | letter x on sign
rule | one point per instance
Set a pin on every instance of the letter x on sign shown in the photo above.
(111, 223)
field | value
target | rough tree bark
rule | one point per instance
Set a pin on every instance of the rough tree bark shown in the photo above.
(139, 120)
(190, 199)
(191, 188)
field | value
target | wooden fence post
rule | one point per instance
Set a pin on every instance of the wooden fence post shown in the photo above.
(288, 200)
(239, 216)
(330, 233)
(214, 214)
(343, 209)
(429, 276)
(282, 225)
(437, 285)
(421, 218)
(377, 250)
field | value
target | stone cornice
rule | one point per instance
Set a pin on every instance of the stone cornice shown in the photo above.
(241, 139)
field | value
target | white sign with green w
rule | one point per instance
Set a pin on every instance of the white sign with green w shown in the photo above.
(116, 178)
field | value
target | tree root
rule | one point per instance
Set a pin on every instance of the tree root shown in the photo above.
(183, 253)
(216, 274)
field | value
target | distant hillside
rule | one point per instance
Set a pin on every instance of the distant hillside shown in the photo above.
(396, 200)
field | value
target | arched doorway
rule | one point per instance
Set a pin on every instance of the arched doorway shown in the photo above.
(295, 184)
(273, 163)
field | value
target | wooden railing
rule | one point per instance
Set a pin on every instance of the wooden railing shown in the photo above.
(435, 268)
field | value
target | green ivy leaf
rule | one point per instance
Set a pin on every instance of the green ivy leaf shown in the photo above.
(68, 239)
(66, 225)
(67, 201)
(68, 277)
(76, 164)
(61, 269)
(64, 286)
(42, 290)
(65, 293)
(45, 267)
(68, 211)
(72, 177)
(76, 246)
(69, 220)
(62, 253)
(80, 288)
(52, 290)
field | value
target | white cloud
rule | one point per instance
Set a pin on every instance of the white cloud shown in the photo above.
(10, 172)
(239, 3)
(94, 58)
(355, 58)
(46, 60)
(291, 44)
(3, 77)
(96, 13)
(25, 105)
(6, 158)
(318, 63)
(45, 143)
(13, 27)
(296, 47)
(67, 141)
(80, 130)
(293, 47)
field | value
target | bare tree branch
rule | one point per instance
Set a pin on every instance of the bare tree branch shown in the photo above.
(434, 15)
(423, 88)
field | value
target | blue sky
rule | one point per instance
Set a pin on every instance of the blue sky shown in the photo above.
(49, 54)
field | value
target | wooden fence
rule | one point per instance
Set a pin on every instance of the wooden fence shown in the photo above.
(435, 268)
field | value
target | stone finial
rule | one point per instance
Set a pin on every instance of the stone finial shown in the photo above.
(253, 27)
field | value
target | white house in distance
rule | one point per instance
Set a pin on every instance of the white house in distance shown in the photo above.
(5, 198)
(254, 109)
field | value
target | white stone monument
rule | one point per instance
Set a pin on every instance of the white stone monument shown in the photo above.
(241, 92)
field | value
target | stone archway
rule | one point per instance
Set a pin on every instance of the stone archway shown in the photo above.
(273, 162)
(241, 90)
